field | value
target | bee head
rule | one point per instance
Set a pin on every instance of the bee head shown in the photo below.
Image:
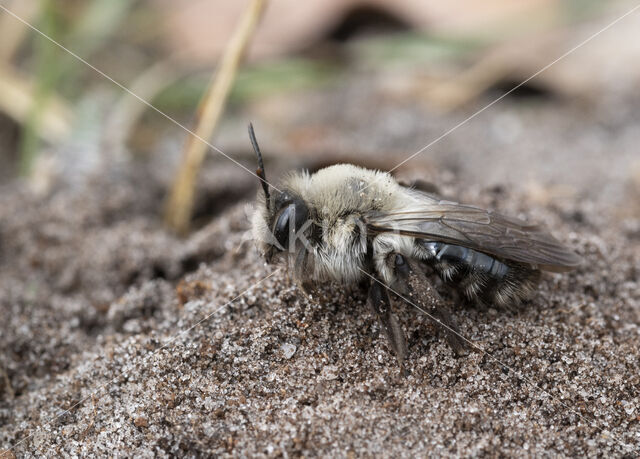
(280, 215)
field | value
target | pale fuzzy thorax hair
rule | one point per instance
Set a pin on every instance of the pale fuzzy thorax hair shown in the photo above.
(325, 191)
(337, 196)
(341, 187)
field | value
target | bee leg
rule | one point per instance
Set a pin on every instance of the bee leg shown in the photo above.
(381, 307)
(419, 289)
(302, 276)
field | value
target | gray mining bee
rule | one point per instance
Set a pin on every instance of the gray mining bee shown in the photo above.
(349, 225)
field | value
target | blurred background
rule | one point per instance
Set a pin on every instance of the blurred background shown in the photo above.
(369, 82)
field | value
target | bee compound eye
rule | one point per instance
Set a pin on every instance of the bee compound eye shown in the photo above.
(399, 261)
(281, 228)
(301, 214)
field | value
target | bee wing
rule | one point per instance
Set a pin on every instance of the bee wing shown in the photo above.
(478, 229)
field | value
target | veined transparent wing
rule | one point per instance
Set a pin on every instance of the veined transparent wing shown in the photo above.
(479, 229)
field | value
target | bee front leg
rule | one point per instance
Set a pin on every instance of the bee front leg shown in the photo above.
(381, 307)
(419, 291)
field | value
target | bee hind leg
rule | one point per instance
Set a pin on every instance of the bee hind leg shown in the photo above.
(380, 305)
(419, 291)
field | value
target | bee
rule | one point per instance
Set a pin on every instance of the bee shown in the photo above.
(351, 225)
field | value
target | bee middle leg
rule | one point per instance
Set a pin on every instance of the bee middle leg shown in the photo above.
(381, 307)
(420, 291)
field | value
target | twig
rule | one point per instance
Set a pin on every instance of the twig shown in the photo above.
(179, 206)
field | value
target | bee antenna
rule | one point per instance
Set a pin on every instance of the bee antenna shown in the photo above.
(260, 171)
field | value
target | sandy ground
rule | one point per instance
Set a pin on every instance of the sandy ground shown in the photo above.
(119, 338)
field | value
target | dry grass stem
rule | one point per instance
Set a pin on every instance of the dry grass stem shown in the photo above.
(179, 206)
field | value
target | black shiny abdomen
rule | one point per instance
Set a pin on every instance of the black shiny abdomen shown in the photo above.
(480, 276)
(466, 258)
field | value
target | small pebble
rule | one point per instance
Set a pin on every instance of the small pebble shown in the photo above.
(288, 350)
(141, 422)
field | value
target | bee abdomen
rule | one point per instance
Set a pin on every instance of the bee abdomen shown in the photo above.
(482, 277)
